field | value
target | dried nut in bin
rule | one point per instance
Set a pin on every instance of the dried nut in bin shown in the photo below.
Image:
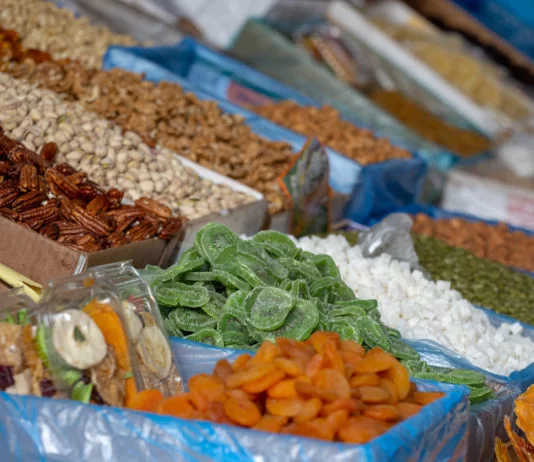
(78, 340)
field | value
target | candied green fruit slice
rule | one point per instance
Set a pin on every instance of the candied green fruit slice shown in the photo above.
(177, 293)
(277, 243)
(213, 239)
(207, 336)
(190, 260)
(325, 264)
(191, 320)
(270, 308)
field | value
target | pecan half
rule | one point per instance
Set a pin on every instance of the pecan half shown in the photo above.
(114, 197)
(65, 169)
(28, 180)
(97, 206)
(51, 231)
(56, 178)
(5, 166)
(8, 196)
(88, 191)
(171, 227)
(144, 230)
(28, 201)
(48, 152)
(45, 213)
(92, 223)
(153, 207)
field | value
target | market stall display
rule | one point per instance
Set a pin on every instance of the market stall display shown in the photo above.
(326, 123)
(163, 114)
(55, 30)
(499, 243)
(108, 156)
(325, 388)
(63, 204)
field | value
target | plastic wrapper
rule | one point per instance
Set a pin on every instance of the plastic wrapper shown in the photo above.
(373, 189)
(22, 369)
(86, 342)
(156, 364)
(35, 429)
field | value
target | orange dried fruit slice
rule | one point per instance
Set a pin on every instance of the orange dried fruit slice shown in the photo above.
(177, 406)
(336, 419)
(382, 412)
(271, 423)
(283, 389)
(315, 364)
(266, 354)
(398, 374)
(319, 339)
(331, 383)
(305, 388)
(333, 357)
(360, 430)
(360, 380)
(316, 428)
(427, 397)
(204, 388)
(264, 383)
(407, 410)
(223, 369)
(237, 379)
(216, 413)
(242, 411)
(309, 410)
(146, 400)
(350, 405)
(285, 407)
(376, 360)
(289, 366)
(352, 347)
(352, 359)
(392, 389)
(241, 362)
(374, 395)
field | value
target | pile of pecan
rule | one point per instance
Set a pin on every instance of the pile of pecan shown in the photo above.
(64, 205)
(162, 114)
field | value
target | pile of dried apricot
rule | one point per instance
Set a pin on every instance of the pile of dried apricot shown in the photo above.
(323, 388)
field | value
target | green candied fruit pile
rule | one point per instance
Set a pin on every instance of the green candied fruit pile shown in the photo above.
(234, 293)
(483, 282)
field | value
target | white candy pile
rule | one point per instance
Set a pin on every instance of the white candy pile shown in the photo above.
(422, 309)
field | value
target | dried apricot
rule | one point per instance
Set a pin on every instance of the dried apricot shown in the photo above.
(316, 428)
(305, 388)
(204, 388)
(309, 410)
(360, 380)
(319, 339)
(266, 354)
(390, 386)
(264, 383)
(289, 366)
(331, 383)
(427, 397)
(295, 350)
(285, 407)
(336, 419)
(271, 423)
(351, 358)
(241, 394)
(406, 410)
(376, 360)
(348, 404)
(333, 357)
(398, 374)
(352, 347)
(146, 400)
(315, 365)
(216, 413)
(223, 369)
(238, 379)
(382, 412)
(360, 430)
(242, 411)
(374, 395)
(177, 406)
(241, 362)
(283, 389)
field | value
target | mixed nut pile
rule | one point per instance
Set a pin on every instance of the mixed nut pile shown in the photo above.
(111, 157)
(47, 27)
(499, 243)
(62, 204)
(162, 114)
(327, 125)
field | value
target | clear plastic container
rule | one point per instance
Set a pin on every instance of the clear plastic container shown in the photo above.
(87, 343)
(155, 361)
(23, 366)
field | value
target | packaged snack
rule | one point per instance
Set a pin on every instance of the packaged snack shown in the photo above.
(23, 362)
(86, 341)
(140, 310)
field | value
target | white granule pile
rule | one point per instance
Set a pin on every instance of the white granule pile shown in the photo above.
(422, 309)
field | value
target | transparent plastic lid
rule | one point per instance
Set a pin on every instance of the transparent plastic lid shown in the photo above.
(157, 367)
(88, 346)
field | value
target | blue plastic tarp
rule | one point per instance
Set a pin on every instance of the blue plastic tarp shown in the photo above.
(372, 189)
(58, 430)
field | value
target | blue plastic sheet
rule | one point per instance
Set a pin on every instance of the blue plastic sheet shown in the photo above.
(57, 430)
(373, 189)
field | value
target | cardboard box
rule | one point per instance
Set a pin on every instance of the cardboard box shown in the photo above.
(489, 190)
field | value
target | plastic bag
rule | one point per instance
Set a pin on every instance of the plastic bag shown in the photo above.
(156, 364)
(34, 429)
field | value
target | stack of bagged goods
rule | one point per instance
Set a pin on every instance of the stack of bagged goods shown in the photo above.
(63, 204)
(236, 293)
(494, 242)
(420, 308)
(110, 157)
(325, 388)
(327, 125)
(46, 27)
(162, 114)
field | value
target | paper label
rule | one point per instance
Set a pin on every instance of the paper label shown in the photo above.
(306, 183)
